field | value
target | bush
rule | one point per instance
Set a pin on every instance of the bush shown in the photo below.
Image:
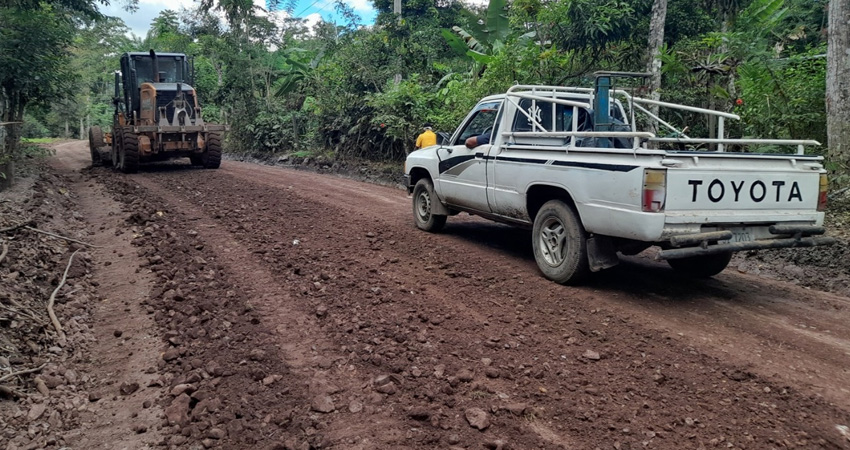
(33, 129)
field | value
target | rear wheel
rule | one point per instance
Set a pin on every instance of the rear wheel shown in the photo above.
(128, 154)
(560, 243)
(701, 266)
(423, 199)
(95, 142)
(212, 156)
(117, 136)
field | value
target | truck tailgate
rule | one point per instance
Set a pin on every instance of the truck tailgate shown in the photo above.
(743, 189)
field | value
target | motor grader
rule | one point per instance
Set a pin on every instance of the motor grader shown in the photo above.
(157, 116)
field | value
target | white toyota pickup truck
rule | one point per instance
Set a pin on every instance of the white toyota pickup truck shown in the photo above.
(570, 164)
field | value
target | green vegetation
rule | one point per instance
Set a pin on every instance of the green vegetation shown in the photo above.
(44, 140)
(352, 91)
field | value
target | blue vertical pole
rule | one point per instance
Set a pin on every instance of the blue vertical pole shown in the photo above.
(601, 108)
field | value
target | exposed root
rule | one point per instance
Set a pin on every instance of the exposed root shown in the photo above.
(15, 227)
(52, 314)
(61, 237)
(21, 372)
(4, 252)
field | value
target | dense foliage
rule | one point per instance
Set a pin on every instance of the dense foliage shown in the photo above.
(350, 90)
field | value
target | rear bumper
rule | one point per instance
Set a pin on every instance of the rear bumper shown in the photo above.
(800, 236)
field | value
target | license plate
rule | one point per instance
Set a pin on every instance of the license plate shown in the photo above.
(740, 235)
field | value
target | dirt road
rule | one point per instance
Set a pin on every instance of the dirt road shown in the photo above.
(296, 310)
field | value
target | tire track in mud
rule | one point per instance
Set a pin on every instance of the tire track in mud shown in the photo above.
(528, 340)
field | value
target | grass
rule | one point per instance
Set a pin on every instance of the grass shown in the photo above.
(38, 140)
(302, 154)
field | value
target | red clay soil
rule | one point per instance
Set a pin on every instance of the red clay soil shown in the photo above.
(292, 310)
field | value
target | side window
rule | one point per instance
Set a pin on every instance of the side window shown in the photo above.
(542, 113)
(482, 121)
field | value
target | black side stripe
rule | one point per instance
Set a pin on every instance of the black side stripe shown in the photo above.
(597, 166)
(447, 164)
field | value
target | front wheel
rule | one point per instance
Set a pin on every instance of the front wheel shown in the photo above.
(560, 243)
(128, 154)
(211, 158)
(701, 266)
(423, 199)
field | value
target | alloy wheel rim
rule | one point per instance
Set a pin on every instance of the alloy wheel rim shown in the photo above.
(553, 241)
(423, 206)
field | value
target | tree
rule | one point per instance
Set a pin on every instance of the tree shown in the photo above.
(34, 65)
(838, 85)
(656, 40)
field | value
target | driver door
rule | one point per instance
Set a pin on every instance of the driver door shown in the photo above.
(463, 174)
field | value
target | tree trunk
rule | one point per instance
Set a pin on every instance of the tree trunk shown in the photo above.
(67, 129)
(82, 130)
(838, 85)
(653, 66)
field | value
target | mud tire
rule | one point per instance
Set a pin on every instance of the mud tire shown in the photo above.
(701, 266)
(117, 135)
(423, 197)
(559, 241)
(128, 154)
(211, 158)
(95, 142)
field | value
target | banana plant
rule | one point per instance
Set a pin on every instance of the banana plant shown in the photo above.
(484, 38)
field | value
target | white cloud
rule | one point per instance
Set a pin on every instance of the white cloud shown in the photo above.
(360, 5)
(311, 20)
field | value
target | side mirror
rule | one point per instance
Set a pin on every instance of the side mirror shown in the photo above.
(443, 138)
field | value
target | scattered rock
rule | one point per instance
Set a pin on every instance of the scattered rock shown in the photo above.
(323, 404)
(516, 409)
(36, 411)
(591, 355)
(178, 412)
(171, 354)
(355, 406)
(128, 388)
(41, 386)
(465, 375)
(477, 418)
(94, 396)
(117, 333)
(491, 372)
(216, 433)
(181, 388)
(321, 311)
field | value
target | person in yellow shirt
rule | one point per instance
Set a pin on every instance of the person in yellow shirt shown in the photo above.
(427, 138)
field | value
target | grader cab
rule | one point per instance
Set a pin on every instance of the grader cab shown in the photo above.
(157, 116)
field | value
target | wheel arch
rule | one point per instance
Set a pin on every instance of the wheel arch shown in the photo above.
(417, 173)
(538, 194)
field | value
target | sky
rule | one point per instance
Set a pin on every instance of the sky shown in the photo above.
(311, 10)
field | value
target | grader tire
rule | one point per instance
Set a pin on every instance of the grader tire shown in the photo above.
(95, 142)
(212, 156)
(128, 154)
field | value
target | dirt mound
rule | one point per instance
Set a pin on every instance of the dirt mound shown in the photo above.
(38, 365)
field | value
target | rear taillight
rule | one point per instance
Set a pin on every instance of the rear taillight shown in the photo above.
(654, 190)
(824, 184)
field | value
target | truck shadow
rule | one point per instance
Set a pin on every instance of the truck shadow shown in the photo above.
(640, 276)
